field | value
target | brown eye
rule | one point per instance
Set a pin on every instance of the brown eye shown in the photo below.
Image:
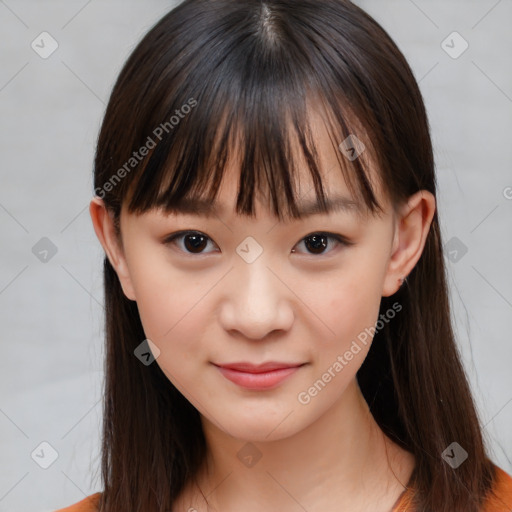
(193, 242)
(316, 243)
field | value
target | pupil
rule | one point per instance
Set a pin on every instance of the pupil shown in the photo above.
(318, 243)
(197, 242)
(315, 243)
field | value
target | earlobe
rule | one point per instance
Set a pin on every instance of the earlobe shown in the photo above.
(103, 224)
(411, 230)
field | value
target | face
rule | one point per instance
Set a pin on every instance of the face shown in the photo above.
(304, 293)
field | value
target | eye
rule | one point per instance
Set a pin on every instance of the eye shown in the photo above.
(194, 241)
(316, 243)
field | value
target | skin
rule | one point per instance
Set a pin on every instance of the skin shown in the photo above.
(287, 306)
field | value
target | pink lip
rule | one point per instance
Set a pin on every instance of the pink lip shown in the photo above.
(265, 376)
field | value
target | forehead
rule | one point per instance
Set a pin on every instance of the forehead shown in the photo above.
(264, 180)
(335, 202)
(338, 196)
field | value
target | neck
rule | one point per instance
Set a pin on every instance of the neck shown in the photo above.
(342, 455)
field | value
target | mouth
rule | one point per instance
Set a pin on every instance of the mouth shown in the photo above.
(258, 377)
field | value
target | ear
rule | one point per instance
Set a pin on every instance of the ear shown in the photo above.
(105, 231)
(411, 229)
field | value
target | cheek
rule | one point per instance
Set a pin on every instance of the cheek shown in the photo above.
(173, 317)
(351, 315)
(169, 304)
(350, 308)
(353, 296)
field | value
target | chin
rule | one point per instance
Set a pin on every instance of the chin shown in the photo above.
(256, 433)
(259, 427)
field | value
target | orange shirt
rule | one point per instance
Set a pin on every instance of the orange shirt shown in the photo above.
(501, 503)
(89, 504)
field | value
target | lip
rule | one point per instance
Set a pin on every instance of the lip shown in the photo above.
(258, 368)
(263, 376)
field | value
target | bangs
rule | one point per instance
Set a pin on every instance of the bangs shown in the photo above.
(268, 146)
(240, 95)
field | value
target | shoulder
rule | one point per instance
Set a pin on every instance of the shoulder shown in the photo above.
(88, 504)
(500, 499)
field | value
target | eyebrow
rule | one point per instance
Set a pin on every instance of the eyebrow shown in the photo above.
(205, 208)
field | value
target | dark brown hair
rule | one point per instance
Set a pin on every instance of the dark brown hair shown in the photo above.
(214, 73)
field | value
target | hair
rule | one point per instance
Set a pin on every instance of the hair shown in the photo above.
(215, 76)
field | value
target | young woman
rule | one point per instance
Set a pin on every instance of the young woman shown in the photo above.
(277, 314)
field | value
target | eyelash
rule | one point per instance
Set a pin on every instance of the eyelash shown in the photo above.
(339, 238)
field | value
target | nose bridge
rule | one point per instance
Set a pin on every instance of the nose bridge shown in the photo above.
(257, 301)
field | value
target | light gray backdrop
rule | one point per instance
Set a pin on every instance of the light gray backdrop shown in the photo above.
(50, 274)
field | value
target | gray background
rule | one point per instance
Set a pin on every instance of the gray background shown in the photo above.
(51, 312)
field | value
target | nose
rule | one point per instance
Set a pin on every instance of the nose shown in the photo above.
(256, 301)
